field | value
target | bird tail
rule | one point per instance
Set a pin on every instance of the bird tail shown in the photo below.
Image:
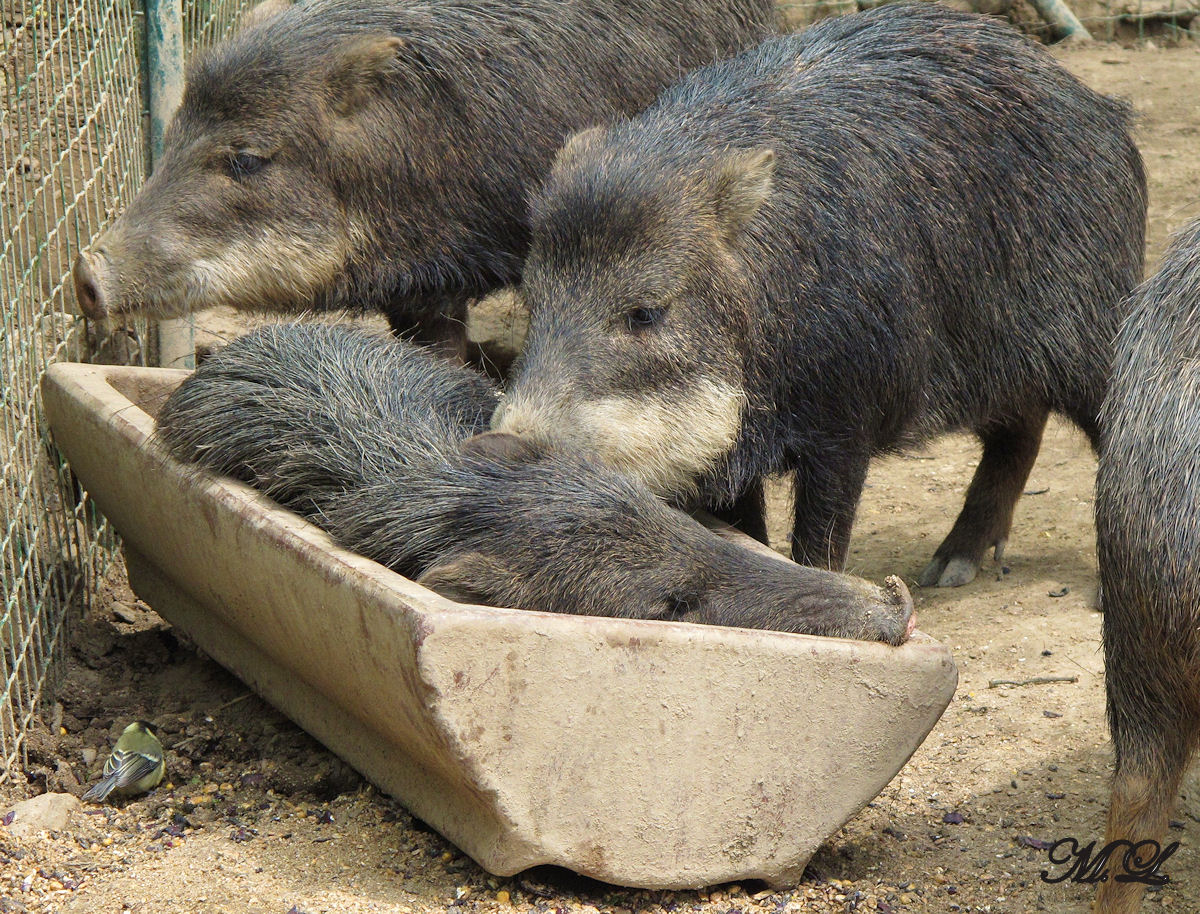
(99, 791)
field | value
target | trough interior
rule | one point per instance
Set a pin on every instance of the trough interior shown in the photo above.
(147, 391)
(458, 705)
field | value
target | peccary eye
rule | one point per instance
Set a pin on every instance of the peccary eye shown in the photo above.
(642, 318)
(244, 164)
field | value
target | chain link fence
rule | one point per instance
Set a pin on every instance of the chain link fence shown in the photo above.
(74, 149)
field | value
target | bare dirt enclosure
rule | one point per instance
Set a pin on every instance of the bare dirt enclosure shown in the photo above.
(257, 817)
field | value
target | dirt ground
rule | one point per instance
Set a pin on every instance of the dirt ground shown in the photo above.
(258, 817)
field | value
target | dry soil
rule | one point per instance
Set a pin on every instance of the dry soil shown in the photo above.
(258, 817)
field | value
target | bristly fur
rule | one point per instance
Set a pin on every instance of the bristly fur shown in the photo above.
(1148, 543)
(362, 434)
(888, 226)
(403, 137)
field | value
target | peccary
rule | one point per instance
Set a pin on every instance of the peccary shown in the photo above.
(377, 154)
(836, 245)
(1148, 540)
(361, 434)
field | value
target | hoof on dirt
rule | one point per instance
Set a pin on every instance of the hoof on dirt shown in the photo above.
(948, 573)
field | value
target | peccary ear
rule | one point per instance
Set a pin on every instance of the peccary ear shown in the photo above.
(577, 144)
(357, 68)
(463, 579)
(502, 447)
(741, 186)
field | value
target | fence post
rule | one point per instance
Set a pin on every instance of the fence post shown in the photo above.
(1060, 17)
(164, 67)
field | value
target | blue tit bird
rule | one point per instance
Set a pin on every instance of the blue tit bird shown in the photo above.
(135, 766)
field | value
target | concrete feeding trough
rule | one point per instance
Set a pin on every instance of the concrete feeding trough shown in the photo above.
(650, 754)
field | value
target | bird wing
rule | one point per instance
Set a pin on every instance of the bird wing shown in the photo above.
(130, 767)
(120, 770)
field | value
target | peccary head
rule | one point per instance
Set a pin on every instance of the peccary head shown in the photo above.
(640, 303)
(732, 588)
(550, 531)
(272, 191)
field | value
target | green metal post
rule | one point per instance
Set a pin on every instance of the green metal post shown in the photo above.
(1062, 20)
(164, 67)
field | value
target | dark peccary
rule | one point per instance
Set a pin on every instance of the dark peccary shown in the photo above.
(378, 154)
(837, 245)
(1148, 540)
(361, 434)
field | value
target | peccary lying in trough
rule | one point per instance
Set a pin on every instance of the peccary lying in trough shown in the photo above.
(361, 434)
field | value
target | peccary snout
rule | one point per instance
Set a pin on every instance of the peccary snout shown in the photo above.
(90, 273)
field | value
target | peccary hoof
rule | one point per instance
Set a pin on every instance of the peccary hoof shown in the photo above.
(953, 572)
(899, 596)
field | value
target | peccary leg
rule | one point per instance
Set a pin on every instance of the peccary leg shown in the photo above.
(1009, 451)
(748, 513)
(1152, 680)
(827, 488)
(1142, 798)
(1089, 422)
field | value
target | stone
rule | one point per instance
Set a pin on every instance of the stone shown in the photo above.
(125, 613)
(49, 812)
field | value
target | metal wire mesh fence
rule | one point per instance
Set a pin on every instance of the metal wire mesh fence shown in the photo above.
(74, 149)
(208, 21)
(73, 152)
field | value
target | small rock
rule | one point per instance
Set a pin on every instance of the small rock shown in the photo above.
(64, 779)
(88, 755)
(125, 612)
(49, 812)
(1035, 843)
